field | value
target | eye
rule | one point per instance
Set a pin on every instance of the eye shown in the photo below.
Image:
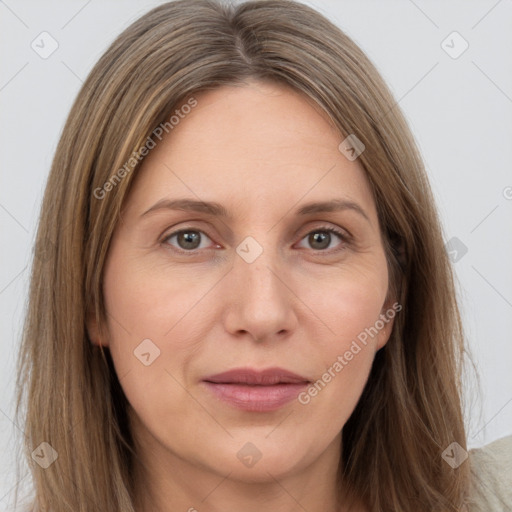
(187, 240)
(320, 239)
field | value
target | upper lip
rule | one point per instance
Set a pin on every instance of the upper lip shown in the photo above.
(266, 377)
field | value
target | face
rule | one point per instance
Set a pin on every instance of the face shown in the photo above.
(269, 277)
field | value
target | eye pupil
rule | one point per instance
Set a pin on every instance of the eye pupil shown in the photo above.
(191, 239)
(322, 237)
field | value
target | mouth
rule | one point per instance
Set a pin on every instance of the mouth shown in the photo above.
(256, 391)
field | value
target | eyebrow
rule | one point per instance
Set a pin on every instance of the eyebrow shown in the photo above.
(216, 209)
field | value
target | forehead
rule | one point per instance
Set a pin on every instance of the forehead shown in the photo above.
(257, 144)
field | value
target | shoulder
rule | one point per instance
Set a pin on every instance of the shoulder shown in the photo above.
(491, 477)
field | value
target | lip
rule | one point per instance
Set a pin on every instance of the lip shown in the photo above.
(256, 391)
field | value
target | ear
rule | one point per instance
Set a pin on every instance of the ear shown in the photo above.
(396, 251)
(386, 321)
(94, 330)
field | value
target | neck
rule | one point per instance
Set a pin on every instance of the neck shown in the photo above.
(165, 482)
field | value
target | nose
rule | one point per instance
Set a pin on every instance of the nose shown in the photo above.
(261, 302)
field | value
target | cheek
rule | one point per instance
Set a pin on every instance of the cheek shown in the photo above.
(155, 318)
(143, 310)
(345, 363)
(350, 305)
(145, 301)
(349, 300)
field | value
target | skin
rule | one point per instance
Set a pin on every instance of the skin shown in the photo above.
(262, 151)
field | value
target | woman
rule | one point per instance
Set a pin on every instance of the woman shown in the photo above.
(245, 301)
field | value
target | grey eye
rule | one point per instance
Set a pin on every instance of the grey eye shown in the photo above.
(187, 239)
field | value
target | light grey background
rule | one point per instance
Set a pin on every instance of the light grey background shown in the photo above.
(460, 111)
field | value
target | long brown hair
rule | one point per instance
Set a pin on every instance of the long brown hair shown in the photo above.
(410, 409)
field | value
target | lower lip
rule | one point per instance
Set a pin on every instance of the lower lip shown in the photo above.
(256, 398)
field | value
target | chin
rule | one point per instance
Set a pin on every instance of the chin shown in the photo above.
(260, 461)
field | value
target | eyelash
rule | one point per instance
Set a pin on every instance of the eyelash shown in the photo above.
(344, 239)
